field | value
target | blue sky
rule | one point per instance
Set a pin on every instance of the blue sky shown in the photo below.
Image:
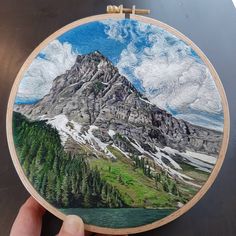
(160, 65)
(91, 37)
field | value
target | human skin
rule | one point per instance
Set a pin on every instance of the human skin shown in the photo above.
(29, 222)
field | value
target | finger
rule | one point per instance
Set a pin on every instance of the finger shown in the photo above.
(72, 226)
(29, 219)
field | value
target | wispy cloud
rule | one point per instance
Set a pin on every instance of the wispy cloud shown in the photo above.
(171, 73)
(52, 61)
(160, 65)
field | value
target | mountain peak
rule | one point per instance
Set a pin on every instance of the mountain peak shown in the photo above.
(94, 57)
(93, 92)
(97, 53)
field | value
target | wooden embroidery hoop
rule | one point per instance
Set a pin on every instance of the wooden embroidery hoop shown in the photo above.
(121, 15)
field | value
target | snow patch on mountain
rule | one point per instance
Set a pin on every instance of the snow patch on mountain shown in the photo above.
(91, 138)
(70, 129)
(157, 157)
(198, 160)
(111, 132)
(61, 123)
(203, 157)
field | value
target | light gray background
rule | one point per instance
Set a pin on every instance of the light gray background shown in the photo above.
(211, 24)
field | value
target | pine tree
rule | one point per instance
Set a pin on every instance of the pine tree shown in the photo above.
(165, 187)
(120, 179)
(87, 198)
(24, 152)
(26, 165)
(42, 189)
(50, 188)
(149, 172)
(174, 189)
(39, 157)
(65, 192)
(32, 171)
(58, 191)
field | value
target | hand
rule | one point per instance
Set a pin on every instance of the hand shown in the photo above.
(29, 222)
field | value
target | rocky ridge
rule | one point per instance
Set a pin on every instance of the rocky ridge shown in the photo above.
(93, 92)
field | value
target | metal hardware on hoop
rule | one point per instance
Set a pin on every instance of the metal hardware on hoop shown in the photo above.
(120, 9)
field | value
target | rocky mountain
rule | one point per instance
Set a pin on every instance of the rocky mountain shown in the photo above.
(94, 100)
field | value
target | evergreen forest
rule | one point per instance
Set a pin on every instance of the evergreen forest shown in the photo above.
(73, 180)
(64, 180)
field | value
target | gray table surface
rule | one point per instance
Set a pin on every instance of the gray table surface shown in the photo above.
(211, 24)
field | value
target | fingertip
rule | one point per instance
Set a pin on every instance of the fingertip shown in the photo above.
(32, 205)
(72, 226)
(29, 219)
(76, 219)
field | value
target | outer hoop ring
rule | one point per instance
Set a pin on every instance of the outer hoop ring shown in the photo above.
(168, 218)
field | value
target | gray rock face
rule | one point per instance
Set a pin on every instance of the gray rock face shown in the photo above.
(93, 92)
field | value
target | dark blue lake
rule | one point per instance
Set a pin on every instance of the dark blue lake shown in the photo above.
(118, 217)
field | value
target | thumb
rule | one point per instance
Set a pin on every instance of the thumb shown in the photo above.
(72, 226)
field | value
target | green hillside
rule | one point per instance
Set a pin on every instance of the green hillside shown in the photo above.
(64, 180)
(69, 181)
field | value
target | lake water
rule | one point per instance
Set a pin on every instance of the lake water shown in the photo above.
(118, 217)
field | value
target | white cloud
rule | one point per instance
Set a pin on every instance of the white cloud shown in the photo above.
(234, 2)
(55, 59)
(174, 78)
(178, 85)
(115, 30)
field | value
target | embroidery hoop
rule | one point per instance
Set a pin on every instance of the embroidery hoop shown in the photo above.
(121, 15)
